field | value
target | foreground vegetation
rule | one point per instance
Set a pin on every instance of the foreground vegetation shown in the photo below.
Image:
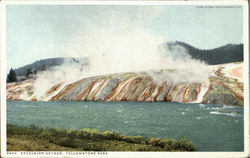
(37, 139)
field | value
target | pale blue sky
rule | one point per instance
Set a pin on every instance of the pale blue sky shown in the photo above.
(36, 32)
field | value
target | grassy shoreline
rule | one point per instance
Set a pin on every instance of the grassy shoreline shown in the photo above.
(33, 138)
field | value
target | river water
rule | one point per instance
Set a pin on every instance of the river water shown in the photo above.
(209, 127)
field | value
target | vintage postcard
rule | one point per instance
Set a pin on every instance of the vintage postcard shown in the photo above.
(124, 79)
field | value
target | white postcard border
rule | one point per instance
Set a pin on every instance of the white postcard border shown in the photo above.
(126, 154)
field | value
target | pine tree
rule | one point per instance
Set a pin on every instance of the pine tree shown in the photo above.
(28, 72)
(43, 68)
(11, 76)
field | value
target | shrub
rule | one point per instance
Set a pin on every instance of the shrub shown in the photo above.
(111, 135)
(184, 145)
(93, 147)
(94, 140)
(153, 141)
(67, 142)
(133, 139)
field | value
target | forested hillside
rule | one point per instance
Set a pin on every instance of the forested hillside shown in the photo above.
(225, 54)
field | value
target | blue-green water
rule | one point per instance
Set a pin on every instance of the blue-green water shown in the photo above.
(209, 127)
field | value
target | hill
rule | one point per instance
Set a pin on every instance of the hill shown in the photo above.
(224, 87)
(225, 54)
(44, 64)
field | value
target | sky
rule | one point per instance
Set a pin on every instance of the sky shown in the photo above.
(35, 32)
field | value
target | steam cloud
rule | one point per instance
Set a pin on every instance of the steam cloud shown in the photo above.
(114, 46)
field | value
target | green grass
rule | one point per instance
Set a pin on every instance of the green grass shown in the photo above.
(33, 138)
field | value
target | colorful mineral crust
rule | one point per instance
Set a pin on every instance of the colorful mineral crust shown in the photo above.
(224, 87)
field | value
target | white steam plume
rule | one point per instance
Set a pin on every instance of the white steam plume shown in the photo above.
(117, 46)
